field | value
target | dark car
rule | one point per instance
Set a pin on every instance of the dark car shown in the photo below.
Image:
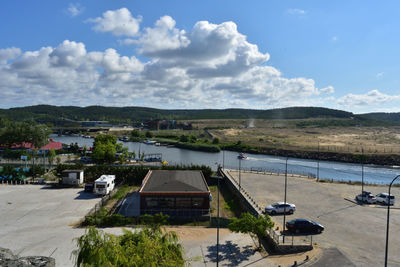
(304, 226)
(89, 187)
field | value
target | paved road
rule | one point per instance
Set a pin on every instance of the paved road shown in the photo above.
(37, 220)
(357, 230)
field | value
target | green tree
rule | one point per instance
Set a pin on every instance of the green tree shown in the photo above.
(104, 148)
(51, 155)
(183, 138)
(135, 133)
(249, 224)
(149, 134)
(147, 247)
(215, 141)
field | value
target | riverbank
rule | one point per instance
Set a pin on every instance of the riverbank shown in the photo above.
(374, 159)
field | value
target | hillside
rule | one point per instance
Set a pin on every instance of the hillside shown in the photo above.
(56, 114)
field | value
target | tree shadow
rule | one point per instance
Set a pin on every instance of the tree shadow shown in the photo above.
(231, 253)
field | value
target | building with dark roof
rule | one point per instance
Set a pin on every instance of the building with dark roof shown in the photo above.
(183, 194)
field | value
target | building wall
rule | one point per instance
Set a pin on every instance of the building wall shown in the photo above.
(176, 206)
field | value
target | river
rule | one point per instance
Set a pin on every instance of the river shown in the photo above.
(327, 170)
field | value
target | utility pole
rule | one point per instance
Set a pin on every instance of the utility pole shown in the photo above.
(218, 217)
(362, 171)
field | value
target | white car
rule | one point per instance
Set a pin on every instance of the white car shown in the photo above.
(385, 199)
(366, 197)
(280, 207)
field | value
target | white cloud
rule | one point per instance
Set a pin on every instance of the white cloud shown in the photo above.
(211, 65)
(9, 54)
(119, 22)
(296, 11)
(372, 98)
(335, 38)
(75, 9)
(380, 75)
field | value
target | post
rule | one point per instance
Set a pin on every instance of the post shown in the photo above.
(284, 209)
(218, 218)
(387, 222)
(223, 159)
(318, 164)
(362, 171)
(240, 162)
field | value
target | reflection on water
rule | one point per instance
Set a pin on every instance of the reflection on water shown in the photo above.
(328, 170)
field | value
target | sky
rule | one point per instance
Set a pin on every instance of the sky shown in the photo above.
(258, 54)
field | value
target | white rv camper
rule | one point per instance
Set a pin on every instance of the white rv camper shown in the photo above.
(104, 185)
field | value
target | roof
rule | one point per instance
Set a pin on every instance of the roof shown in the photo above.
(174, 182)
(105, 178)
(52, 145)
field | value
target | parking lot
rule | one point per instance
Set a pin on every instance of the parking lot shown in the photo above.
(359, 231)
(39, 220)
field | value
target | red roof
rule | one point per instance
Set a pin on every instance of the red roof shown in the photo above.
(24, 145)
(52, 145)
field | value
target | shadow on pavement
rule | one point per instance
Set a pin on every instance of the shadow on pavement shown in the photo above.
(230, 253)
(85, 195)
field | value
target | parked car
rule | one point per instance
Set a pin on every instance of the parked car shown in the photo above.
(304, 226)
(366, 197)
(280, 207)
(385, 199)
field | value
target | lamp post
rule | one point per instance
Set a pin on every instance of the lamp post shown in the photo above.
(240, 162)
(219, 167)
(362, 171)
(318, 164)
(284, 207)
(387, 221)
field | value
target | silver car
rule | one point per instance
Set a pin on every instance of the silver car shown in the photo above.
(385, 199)
(280, 207)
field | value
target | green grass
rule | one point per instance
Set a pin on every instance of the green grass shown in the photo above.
(123, 191)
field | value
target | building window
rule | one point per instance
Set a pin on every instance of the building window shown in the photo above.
(167, 202)
(182, 202)
(197, 202)
(151, 202)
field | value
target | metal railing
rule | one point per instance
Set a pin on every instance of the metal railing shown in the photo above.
(178, 212)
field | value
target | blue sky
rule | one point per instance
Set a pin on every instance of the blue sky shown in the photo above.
(201, 54)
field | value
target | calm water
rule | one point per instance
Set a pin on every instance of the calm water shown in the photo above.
(329, 170)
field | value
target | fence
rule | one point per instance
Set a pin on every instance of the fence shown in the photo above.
(277, 172)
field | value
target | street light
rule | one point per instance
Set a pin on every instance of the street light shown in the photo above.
(218, 170)
(284, 207)
(240, 161)
(387, 221)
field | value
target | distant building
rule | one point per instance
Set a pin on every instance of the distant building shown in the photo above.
(182, 194)
(72, 177)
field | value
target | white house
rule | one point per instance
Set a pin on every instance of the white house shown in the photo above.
(72, 177)
(104, 185)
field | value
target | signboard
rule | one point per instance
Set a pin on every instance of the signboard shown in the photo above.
(24, 157)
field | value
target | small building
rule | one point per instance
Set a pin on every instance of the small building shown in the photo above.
(72, 177)
(179, 194)
(104, 185)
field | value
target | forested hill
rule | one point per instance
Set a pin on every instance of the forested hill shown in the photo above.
(54, 114)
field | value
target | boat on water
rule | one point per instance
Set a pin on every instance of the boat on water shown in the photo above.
(242, 156)
(150, 142)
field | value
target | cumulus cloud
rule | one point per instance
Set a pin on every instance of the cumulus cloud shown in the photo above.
(9, 54)
(118, 22)
(372, 98)
(75, 9)
(380, 75)
(208, 66)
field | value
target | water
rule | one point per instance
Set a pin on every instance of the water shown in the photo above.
(327, 170)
